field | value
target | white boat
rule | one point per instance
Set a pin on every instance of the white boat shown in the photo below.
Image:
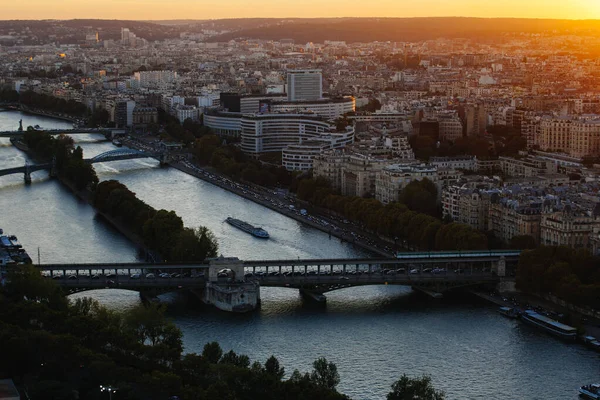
(549, 325)
(591, 391)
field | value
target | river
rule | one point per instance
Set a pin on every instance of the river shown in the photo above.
(373, 334)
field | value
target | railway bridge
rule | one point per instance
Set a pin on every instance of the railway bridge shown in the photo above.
(430, 272)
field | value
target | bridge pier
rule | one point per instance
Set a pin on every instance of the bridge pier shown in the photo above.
(499, 267)
(27, 176)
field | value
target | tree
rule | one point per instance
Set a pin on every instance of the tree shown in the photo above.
(272, 368)
(325, 373)
(522, 242)
(414, 389)
(212, 352)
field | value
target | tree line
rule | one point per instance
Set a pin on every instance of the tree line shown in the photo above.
(396, 220)
(231, 161)
(570, 274)
(161, 230)
(58, 349)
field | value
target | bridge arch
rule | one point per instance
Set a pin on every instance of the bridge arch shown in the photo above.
(119, 154)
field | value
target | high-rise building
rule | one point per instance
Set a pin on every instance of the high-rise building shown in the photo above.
(304, 85)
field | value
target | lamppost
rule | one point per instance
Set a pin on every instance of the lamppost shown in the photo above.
(108, 389)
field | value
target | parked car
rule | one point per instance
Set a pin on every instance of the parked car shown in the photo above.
(135, 276)
(150, 276)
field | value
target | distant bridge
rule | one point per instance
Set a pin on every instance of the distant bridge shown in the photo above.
(113, 155)
(454, 270)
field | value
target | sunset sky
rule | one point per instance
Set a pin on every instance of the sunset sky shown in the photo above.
(204, 9)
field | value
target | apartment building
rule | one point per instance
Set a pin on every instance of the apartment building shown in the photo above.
(393, 178)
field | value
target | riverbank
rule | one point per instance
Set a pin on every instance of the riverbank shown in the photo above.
(87, 196)
(281, 210)
(43, 113)
(591, 326)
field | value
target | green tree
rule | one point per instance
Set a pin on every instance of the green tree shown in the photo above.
(273, 368)
(325, 373)
(414, 389)
(212, 352)
(522, 242)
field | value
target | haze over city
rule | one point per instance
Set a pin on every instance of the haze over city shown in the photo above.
(203, 9)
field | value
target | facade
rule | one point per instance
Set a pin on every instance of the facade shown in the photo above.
(224, 123)
(296, 135)
(450, 128)
(393, 178)
(567, 227)
(509, 218)
(326, 108)
(353, 174)
(304, 85)
(185, 112)
(124, 113)
(526, 167)
(468, 163)
(155, 79)
(143, 116)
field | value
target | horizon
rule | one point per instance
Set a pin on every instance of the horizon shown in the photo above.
(153, 10)
(291, 17)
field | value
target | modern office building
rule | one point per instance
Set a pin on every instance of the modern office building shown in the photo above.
(299, 137)
(124, 113)
(304, 85)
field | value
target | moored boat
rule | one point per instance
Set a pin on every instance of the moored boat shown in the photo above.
(591, 391)
(246, 227)
(508, 312)
(591, 342)
(549, 325)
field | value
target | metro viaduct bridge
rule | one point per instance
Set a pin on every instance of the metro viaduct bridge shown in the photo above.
(456, 269)
(113, 155)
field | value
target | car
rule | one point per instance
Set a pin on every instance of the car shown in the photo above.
(164, 275)
(414, 271)
(248, 274)
(72, 277)
(95, 276)
(459, 271)
(344, 278)
(401, 271)
(222, 275)
(135, 276)
(390, 272)
(175, 275)
(427, 271)
(150, 276)
(273, 273)
(438, 271)
(57, 276)
(111, 275)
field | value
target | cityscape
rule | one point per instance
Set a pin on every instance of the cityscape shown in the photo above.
(300, 204)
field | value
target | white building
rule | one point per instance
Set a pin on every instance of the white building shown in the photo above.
(304, 85)
(299, 137)
(393, 178)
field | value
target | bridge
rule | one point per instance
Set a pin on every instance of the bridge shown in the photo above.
(453, 269)
(113, 155)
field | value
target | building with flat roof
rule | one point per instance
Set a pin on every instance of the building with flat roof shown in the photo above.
(305, 84)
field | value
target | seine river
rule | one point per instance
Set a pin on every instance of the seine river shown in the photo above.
(373, 334)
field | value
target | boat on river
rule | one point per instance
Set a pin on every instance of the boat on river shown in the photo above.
(246, 227)
(591, 391)
(509, 312)
(549, 325)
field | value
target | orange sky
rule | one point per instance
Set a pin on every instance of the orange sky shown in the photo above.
(204, 9)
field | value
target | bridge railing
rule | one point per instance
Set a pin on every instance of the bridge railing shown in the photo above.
(460, 254)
